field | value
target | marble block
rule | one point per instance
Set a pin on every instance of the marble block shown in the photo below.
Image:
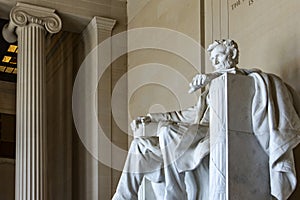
(238, 165)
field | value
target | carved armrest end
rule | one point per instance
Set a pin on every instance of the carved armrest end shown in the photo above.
(149, 129)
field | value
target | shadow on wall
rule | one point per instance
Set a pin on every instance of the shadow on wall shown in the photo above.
(7, 180)
(289, 62)
(291, 74)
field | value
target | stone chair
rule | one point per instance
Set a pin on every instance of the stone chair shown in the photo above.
(237, 166)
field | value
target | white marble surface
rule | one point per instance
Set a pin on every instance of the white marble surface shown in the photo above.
(234, 150)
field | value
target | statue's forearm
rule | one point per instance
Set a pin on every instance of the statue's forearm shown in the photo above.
(186, 115)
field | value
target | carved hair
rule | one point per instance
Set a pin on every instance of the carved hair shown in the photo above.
(231, 49)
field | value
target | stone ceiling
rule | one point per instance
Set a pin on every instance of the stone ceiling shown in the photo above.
(76, 13)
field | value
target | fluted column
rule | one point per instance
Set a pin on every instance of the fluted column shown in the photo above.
(31, 24)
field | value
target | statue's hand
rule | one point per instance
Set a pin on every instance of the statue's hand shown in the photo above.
(198, 82)
(201, 80)
(139, 121)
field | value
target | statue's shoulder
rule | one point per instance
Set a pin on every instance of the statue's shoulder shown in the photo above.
(249, 71)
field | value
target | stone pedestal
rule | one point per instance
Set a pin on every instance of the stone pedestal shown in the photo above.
(31, 24)
(238, 165)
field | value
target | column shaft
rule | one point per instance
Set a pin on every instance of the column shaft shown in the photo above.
(30, 159)
(31, 23)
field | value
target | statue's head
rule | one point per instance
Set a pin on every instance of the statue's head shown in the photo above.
(224, 54)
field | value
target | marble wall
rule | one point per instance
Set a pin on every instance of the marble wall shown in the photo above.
(266, 31)
(61, 64)
(158, 78)
(161, 70)
(269, 36)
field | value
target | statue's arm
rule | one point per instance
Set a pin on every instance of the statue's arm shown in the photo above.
(187, 115)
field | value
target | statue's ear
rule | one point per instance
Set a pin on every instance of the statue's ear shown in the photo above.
(234, 53)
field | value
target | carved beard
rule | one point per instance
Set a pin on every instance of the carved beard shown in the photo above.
(225, 65)
(228, 64)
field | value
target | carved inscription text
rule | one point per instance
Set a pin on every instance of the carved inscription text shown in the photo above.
(238, 3)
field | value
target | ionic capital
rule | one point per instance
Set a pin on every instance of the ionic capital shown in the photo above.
(25, 14)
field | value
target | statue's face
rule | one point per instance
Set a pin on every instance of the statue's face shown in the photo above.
(219, 58)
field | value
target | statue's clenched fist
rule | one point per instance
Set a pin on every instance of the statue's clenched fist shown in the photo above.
(201, 80)
(142, 120)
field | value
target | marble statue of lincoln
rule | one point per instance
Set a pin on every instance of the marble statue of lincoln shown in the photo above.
(181, 141)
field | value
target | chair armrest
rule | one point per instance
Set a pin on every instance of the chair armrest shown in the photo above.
(149, 129)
